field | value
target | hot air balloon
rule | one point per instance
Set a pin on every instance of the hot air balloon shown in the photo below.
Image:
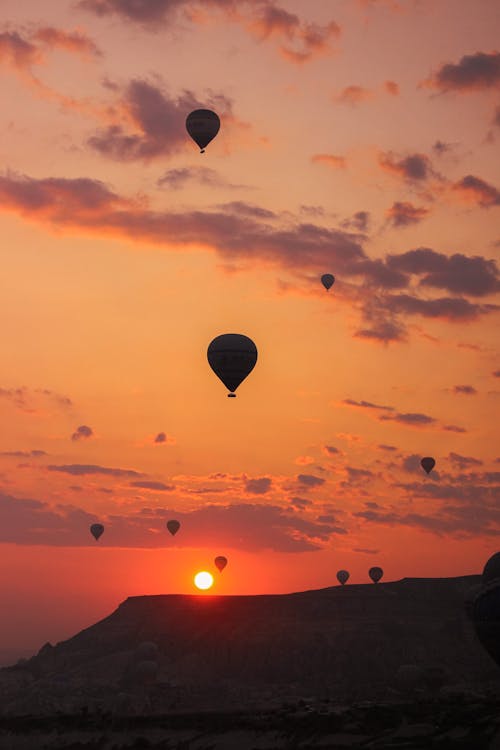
(96, 529)
(327, 280)
(486, 618)
(220, 563)
(343, 576)
(202, 125)
(375, 574)
(427, 464)
(232, 357)
(173, 527)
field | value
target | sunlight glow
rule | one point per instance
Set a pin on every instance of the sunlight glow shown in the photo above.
(203, 580)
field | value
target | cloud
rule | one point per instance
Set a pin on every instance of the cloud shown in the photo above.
(413, 168)
(384, 331)
(163, 439)
(392, 88)
(463, 462)
(246, 527)
(330, 450)
(477, 191)
(30, 400)
(475, 72)
(411, 419)
(258, 486)
(82, 433)
(179, 178)
(388, 448)
(331, 160)
(457, 273)
(300, 41)
(308, 480)
(440, 147)
(366, 405)
(452, 308)
(366, 550)
(23, 454)
(159, 486)
(353, 95)
(496, 374)
(160, 438)
(71, 41)
(359, 221)
(358, 475)
(17, 52)
(453, 428)
(404, 214)
(467, 390)
(82, 469)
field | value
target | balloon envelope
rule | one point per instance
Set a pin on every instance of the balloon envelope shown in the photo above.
(342, 576)
(375, 574)
(427, 464)
(220, 562)
(202, 125)
(492, 568)
(327, 280)
(486, 618)
(232, 357)
(173, 526)
(96, 530)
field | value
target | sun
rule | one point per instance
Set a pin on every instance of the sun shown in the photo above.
(203, 580)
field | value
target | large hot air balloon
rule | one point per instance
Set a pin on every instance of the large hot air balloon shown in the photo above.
(343, 576)
(220, 563)
(486, 608)
(173, 526)
(202, 125)
(327, 280)
(96, 529)
(232, 357)
(375, 574)
(427, 464)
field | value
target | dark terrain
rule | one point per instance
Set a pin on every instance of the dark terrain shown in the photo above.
(387, 665)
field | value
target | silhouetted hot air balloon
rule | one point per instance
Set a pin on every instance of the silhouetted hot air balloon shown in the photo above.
(96, 529)
(375, 574)
(427, 464)
(202, 125)
(343, 576)
(232, 357)
(220, 563)
(327, 280)
(486, 608)
(173, 527)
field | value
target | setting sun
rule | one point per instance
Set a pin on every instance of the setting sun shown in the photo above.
(203, 580)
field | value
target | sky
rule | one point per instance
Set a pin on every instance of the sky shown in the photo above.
(358, 138)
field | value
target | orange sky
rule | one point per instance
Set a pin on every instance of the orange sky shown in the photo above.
(358, 138)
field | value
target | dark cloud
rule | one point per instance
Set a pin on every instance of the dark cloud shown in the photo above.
(356, 475)
(359, 221)
(366, 550)
(160, 438)
(81, 469)
(472, 73)
(440, 147)
(404, 214)
(477, 191)
(23, 454)
(413, 168)
(16, 51)
(379, 274)
(384, 331)
(366, 405)
(457, 273)
(496, 117)
(330, 450)
(496, 374)
(258, 486)
(309, 480)
(387, 447)
(300, 502)
(179, 178)
(463, 462)
(467, 390)
(451, 308)
(411, 464)
(82, 433)
(252, 527)
(160, 486)
(29, 400)
(453, 428)
(413, 419)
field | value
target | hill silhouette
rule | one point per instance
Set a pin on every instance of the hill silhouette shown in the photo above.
(358, 642)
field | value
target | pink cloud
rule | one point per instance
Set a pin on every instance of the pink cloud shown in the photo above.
(477, 191)
(404, 214)
(331, 160)
(475, 72)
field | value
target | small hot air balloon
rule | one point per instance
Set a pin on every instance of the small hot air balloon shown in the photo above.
(202, 125)
(232, 357)
(173, 527)
(427, 464)
(375, 574)
(96, 530)
(327, 280)
(343, 576)
(220, 563)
